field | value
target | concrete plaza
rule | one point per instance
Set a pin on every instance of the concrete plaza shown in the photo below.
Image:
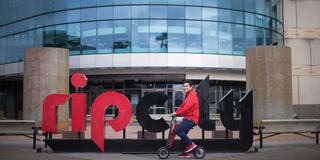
(281, 147)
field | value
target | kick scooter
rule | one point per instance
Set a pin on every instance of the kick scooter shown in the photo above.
(163, 152)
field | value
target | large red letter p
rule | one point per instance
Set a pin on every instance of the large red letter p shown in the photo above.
(101, 103)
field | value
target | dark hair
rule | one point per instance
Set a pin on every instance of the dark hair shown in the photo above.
(189, 82)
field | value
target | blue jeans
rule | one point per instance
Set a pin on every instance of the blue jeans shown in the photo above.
(182, 130)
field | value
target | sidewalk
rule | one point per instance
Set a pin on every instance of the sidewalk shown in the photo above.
(291, 147)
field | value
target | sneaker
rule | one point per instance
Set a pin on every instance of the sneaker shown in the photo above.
(190, 148)
(185, 155)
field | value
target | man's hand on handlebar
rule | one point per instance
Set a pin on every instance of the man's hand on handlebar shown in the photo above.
(173, 114)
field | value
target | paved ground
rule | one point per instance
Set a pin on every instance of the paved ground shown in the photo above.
(290, 147)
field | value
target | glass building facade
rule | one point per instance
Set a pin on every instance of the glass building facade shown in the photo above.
(139, 27)
(224, 27)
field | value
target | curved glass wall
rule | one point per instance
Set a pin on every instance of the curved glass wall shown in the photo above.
(139, 26)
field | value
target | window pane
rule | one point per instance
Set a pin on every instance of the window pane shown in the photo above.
(59, 17)
(193, 13)
(176, 12)
(250, 36)
(15, 52)
(105, 37)
(210, 38)
(193, 2)
(88, 14)
(260, 6)
(237, 4)
(121, 12)
(73, 4)
(176, 36)
(273, 24)
(73, 34)
(268, 23)
(237, 17)
(60, 36)
(225, 38)
(104, 2)
(260, 20)
(105, 13)
(73, 16)
(268, 37)
(249, 5)
(59, 4)
(158, 36)
(238, 39)
(209, 14)
(48, 40)
(140, 1)
(39, 21)
(48, 19)
(193, 37)
(122, 41)
(121, 1)
(209, 3)
(158, 1)
(140, 11)
(224, 15)
(86, 3)
(88, 37)
(224, 3)
(38, 40)
(176, 1)
(260, 36)
(140, 36)
(249, 18)
(158, 12)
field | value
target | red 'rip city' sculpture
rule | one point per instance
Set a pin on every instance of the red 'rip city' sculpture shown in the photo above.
(78, 107)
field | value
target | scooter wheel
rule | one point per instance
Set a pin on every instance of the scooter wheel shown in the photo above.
(199, 152)
(163, 153)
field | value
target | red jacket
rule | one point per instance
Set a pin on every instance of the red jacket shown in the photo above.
(189, 109)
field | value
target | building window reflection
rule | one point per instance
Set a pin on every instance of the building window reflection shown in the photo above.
(158, 11)
(60, 36)
(176, 12)
(225, 38)
(140, 36)
(143, 26)
(209, 14)
(122, 12)
(140, 11)
(210, 37)
(238, 39)
(122, 41)
(104, 37)
(88, 37)
(158, 36)
(105, 13)
(73, 34)
(88, 14)
(193, 37)
(176, 36)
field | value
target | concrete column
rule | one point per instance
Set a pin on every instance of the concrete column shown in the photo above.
(46, 71)
(268, 73)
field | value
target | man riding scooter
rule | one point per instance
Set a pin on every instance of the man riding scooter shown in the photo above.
(189, 110)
